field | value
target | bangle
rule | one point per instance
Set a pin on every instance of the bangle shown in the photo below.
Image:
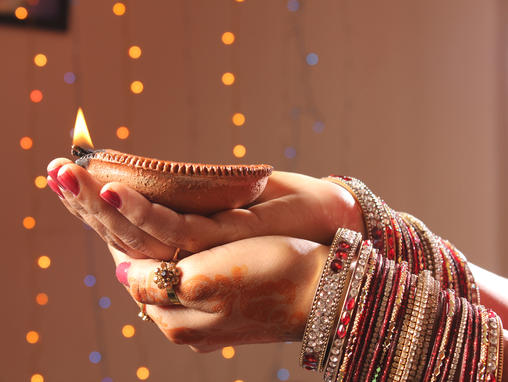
(372, 312)
(411, 348)
(324, 305)
(374, 215)
(391, 279)
(449, 313)
(459, 346)
(346, 311)
(357, 317)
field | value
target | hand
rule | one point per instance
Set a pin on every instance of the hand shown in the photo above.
(255, 290)
(291, 205)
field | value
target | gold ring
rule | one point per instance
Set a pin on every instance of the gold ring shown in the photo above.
(142, 313)
(167, 276)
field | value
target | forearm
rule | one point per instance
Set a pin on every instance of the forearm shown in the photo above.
(493, 291)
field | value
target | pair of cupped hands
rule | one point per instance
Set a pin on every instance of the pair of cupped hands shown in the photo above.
(247, 275)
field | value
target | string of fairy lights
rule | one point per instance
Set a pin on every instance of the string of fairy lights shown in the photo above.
(37, 62)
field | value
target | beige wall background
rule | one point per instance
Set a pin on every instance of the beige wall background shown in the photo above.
(412, 96)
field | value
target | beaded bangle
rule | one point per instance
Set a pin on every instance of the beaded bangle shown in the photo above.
(402, 237)
(324, 306)
(395, 329)
(372, 313)
(430, 316)
(450, 347)
(358, 313)
(389, 324)
(374, 215)
(466, 357)
(450, 313)
(495, 341)
(475, 348)
(437, 334)
(430, 244)
(345, 312)
(460, 339)
(411, 347)
(484, 348)
(500, 352)
(391, 278)
(401, 355)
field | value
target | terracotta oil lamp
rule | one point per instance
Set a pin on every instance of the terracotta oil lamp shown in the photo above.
(184, 187)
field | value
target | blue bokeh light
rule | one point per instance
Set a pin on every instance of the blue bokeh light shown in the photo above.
(283, 374)
(318, 127)
(104, 302)
(290, 152)
(295, 112)
(95, 357)
(107, 379)
(89, 280)
(312, 59)
(69, 78)
(293, 5)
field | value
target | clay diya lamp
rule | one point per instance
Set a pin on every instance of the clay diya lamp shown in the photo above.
(184, 187)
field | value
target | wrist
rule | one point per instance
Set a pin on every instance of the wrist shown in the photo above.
(347, 212)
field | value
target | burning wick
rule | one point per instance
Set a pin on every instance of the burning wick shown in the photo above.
(81, 143)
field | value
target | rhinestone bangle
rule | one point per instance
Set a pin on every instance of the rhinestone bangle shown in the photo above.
(325, 304)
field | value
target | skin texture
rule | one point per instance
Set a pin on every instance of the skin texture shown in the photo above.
(303, 211)
(230, 296)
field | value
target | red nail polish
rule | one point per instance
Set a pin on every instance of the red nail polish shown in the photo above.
(54, 173)
(112, 198)
(69, 182)
(54, 186)
(122, 272)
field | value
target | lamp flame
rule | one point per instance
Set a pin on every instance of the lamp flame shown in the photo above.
(81, 134)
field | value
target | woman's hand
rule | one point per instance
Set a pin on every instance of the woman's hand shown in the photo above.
(291, 205)
(249, 291)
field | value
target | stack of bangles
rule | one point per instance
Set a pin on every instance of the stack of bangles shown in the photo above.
(400, 306)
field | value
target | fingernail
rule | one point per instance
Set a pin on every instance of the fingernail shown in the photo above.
(122, 271)
(112, 198)
(69, 182)
(54, 186)
(54, 173)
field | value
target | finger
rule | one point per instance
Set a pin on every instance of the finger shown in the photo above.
(81, 191)
(184, 326)
(55, 165)
(137, 275)
(189, 232)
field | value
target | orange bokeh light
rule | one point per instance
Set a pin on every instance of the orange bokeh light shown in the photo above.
(40, 60)
(41, 298)
(228, 78)
(28, 222)
(228, 352)
(128, 331)
(122, 132)
(228, 38)
(143, 373)
(37, 378)
(137, 87)
(36, 96)
(40, 181)
(26, 143)
(238, 119)
(32, 337)
(135, 52)
(44, 262)
(21, 13)
(119, 9)
(239, 151)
